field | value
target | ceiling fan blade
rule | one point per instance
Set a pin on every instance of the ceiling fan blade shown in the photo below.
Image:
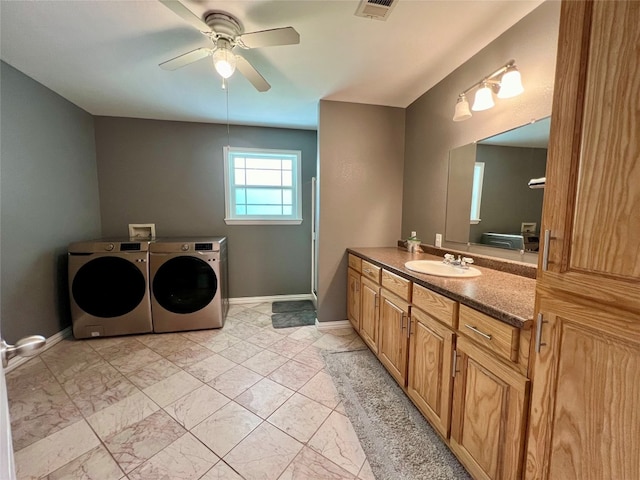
(270, 38)
(186, 14)
(187, 58)
(251, 74)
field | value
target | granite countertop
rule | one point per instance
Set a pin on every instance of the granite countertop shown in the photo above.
(505, 296)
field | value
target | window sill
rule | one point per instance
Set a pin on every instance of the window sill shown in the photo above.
(237, 221)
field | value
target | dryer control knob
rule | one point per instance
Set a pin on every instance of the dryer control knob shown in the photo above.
(185, 247)
(109, 247)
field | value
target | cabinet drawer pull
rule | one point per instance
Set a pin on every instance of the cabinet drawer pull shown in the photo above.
(474, 329)
(367, 271)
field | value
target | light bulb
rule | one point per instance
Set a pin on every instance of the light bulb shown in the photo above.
(483, 99)
(511, 83)
(224, 61)
(462, 109)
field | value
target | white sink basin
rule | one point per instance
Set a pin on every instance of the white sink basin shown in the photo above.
(440, 269)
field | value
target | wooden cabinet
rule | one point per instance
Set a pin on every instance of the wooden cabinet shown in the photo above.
(592, 194)
(585, 415)
(488, 414)
(394, 335)
(429, 382)
(369, 298)
(353, 298)
(585, 397)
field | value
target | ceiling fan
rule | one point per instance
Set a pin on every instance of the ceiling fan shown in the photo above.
(226, 33)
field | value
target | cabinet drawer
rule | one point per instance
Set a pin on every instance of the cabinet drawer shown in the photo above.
(371, 271)
(499, 337)
(396, 284)
(355, 263)
(436, 305)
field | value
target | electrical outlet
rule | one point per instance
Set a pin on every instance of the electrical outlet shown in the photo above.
(438, 240)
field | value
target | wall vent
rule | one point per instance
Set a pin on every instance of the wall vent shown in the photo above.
(376, 9)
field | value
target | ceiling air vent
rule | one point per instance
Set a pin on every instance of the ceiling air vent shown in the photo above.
(376, 9)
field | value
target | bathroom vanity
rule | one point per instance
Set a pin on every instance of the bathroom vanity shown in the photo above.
(458, 347)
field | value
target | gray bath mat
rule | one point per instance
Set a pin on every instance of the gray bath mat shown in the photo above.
(399, 443)
(293, 319)
(293, 306)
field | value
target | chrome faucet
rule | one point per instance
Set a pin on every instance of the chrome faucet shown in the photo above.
(462, 262)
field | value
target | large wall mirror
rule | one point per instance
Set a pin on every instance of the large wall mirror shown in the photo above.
(489, 200)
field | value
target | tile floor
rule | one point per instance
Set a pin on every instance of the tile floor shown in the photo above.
(243, 402)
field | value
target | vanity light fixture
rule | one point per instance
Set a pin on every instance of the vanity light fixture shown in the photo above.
(506, 82)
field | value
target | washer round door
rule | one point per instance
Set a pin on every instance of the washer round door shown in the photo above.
(108, 287)
(184, 284)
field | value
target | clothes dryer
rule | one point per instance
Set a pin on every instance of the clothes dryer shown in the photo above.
(188, 283)
(109, 288)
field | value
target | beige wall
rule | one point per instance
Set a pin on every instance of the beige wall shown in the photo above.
(430, 132)
(360, 162)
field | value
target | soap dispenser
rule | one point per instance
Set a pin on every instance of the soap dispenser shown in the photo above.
(413, 243)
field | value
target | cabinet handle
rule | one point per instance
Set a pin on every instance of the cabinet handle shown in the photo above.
(454, 364)
(474, 329)
(539, 333)
(409, 327)
(402, 322)
(545, 249)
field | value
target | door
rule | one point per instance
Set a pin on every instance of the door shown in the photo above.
(369, 298)
(429, 382)
(585, 420)
(353, 298)
(592, 193)
(393, 335)
(24, 347)
(488, 415)
(183, 284)
(314, 239)
(7, 468)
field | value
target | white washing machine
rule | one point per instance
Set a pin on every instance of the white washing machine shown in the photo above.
(109, 288)
(188, 283)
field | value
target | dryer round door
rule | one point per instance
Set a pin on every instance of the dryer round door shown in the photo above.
(108, 287)
(184, 284)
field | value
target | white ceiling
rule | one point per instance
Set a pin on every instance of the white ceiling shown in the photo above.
(103, 55)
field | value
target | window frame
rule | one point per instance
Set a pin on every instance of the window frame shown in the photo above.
(476, 192)
(231, 217)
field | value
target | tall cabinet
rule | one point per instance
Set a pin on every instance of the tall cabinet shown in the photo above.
(585, 400)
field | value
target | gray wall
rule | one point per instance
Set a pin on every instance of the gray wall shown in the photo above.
(431, 133)
(172, 174)
(361, 152)
(507, 201)
(48, 197)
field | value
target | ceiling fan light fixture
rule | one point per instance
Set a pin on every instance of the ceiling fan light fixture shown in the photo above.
(224, 61)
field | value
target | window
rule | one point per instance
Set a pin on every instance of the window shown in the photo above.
(262, 186)
(476, 192)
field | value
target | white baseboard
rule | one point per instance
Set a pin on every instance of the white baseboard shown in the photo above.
(332, 325)
(51, 341)
(272, 298)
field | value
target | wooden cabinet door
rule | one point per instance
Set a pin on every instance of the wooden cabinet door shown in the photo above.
(488, 415)
(429, 382)
(369, 298)
(585, 396)
(394, 339)
(592, 193)
(353, 298)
